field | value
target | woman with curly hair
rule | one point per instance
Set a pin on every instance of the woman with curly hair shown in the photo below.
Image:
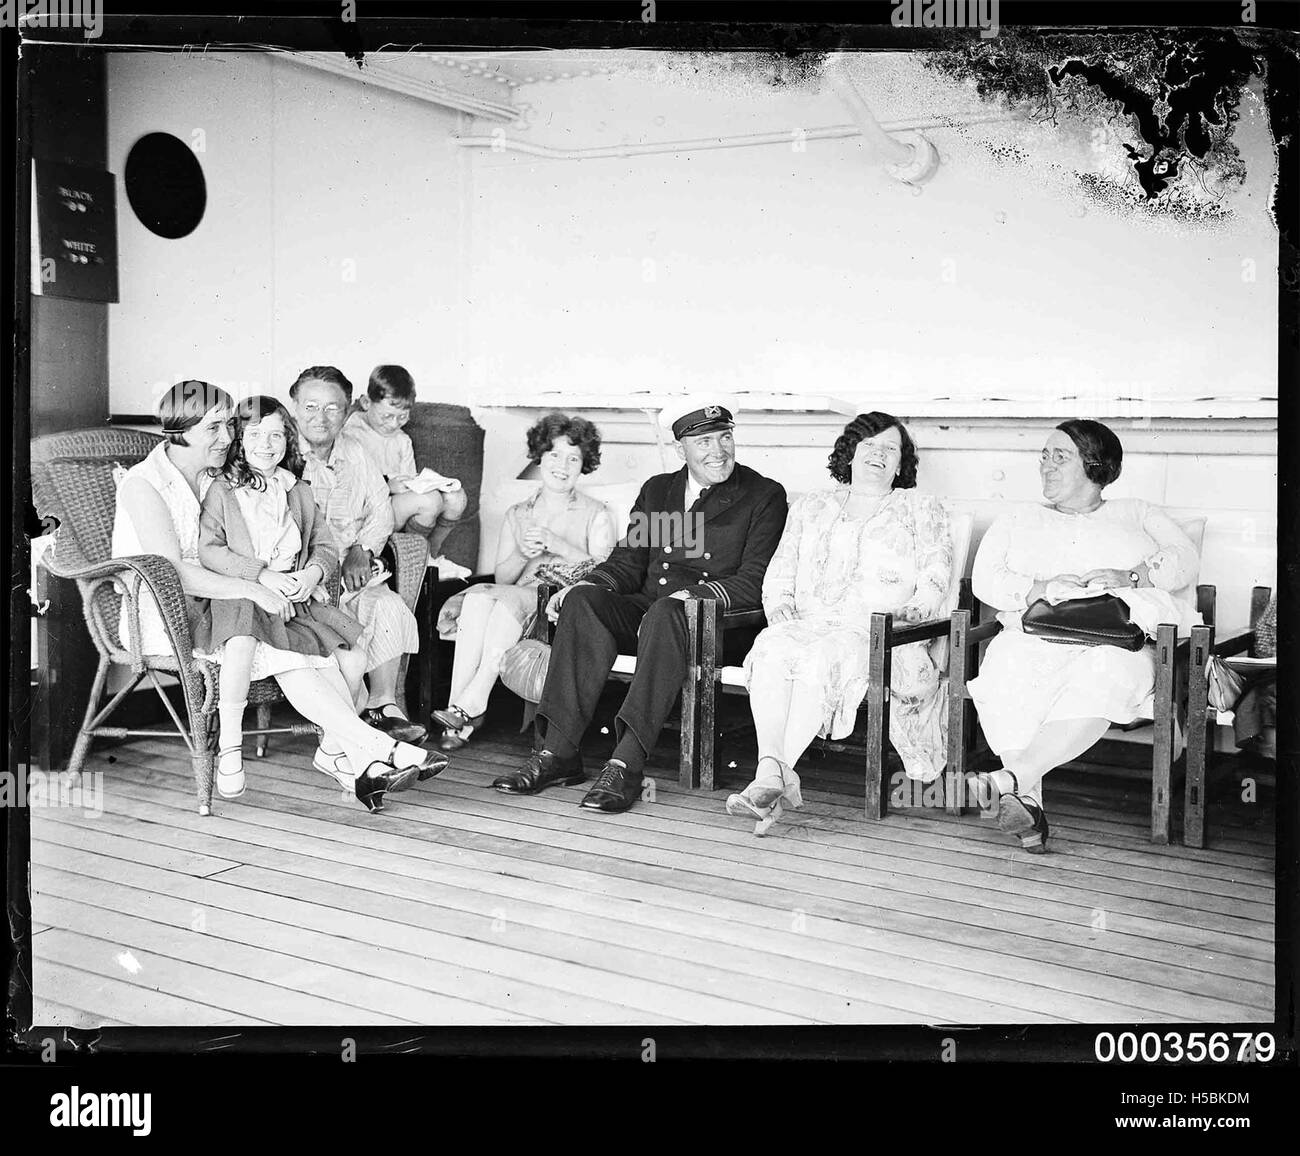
(259, 523)
(558, 527)
(871, 543)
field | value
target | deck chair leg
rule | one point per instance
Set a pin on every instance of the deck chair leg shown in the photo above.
(1162, 743)
(710, 644)
(878, 676)
(958, 718)
(263, 723)
(202, 741)
(82, 746)
(1199, 740)
(688, 769)
(399, 694)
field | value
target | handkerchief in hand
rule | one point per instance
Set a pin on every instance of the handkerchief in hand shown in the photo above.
(428, 480)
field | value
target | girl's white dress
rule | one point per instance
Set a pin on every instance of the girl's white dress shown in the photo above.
(1025, 682)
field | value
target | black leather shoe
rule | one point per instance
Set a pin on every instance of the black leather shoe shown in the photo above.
(542, 770)
(380, 778)
(400, 730)
(615, 789)
(434, 764)
(453, 720)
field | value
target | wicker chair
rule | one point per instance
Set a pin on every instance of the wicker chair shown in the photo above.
(72, 479)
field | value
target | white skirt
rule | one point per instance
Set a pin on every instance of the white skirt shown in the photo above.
(1025, 682)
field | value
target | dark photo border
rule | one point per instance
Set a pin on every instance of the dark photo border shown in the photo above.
(175, 1059)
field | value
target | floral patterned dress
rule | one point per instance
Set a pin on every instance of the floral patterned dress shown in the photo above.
(835, 571)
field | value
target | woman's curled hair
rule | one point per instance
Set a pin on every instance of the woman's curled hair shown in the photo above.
(581, 432)
(868, 425)
(250, 411)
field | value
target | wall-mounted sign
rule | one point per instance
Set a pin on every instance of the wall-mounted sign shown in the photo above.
(75, 231)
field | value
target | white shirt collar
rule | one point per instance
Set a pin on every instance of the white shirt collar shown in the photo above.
(693, 489)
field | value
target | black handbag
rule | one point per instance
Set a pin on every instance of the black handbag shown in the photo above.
(1099, 621)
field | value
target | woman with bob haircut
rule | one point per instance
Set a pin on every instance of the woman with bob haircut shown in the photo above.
(1042, 703)
(871, 543)
(559, 528)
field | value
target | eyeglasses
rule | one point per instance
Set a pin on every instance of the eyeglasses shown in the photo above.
(331, 411)
(1057, 457)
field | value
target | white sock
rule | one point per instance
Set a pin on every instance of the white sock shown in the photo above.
(230, 715)
(1004, 781)
(408, 755)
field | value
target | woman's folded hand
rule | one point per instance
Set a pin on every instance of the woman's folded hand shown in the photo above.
(1107, 578)
(286, 584)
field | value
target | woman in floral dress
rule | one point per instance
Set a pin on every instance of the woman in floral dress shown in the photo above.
(870, 544)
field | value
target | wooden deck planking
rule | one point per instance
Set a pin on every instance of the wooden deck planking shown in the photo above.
(167, 960)
(309, 790)
(345, 971)
(867, 963)
(1024, 885)
(568, 910)
(670, 913)
(126, 1000)
(216, 893)
(50, 1013)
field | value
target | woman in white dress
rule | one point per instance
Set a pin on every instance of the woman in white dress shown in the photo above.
(158, 512)
(1044, 703)
(870, 544)
(559, 526)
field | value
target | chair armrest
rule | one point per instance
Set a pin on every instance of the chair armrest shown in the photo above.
(733, 619)
(1233, 642)
(920, 631)
(410, 557)
(983, 631)
(543, 627)
(706, 621)
(154, 572)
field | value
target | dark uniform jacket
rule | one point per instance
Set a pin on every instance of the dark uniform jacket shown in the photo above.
(720, 550)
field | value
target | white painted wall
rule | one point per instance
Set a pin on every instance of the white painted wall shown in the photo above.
(331, 235)
(810, 270)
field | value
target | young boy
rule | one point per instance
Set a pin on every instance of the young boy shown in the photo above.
(376, 427)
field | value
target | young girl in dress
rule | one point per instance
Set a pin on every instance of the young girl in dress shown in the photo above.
(260, 523)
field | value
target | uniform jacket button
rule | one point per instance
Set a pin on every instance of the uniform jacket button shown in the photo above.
(663, 581)
(706, 573)
(668, 549)
(708, 557)
(665, 565)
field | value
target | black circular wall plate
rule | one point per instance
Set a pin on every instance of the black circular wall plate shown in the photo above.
(165, 185)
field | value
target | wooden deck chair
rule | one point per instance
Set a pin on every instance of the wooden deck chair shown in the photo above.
(1233, 646)
(1161, 708)
(622, 671)
(706, 624)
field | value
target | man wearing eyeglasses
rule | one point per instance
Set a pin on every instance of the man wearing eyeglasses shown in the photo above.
(352, 496)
